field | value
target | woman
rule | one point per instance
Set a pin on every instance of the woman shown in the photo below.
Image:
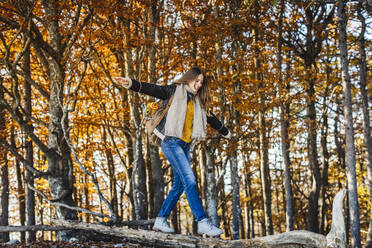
(184, 122)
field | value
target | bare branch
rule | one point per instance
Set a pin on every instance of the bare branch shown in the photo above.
(59, 204)
(42, 91)
(27, 128)
(29, 167)
(72, 38)
(93, 176)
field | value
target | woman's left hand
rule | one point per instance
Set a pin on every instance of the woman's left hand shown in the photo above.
(123, 81)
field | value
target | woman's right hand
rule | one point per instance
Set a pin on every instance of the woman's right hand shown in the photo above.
(123, 81)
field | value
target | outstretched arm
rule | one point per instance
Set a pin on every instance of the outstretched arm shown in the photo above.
(158, 91)
(217, 125)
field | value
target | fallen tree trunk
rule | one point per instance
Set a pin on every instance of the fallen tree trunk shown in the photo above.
(135, 223)
(132, 223)
(299, 238)
(159, 239)
(294, 239)
(31, 228)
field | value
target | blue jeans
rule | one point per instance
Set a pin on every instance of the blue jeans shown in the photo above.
(178, 154)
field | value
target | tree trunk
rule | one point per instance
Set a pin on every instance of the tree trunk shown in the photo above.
(316, 20)
(112, 176)
(4, 186)
(138, 174)
(20, 187)
(157, 183)
(211, 191)
(325, 157)
(159, 239)
(157, 173)
(30, 197)
(365, 108)
(293, 239)
(139, 180)
(264, 160)
(197, 179)
(284, 125)
(225, 220)
(338, 138)
(349, 130)
(124, 60)
(235, 181)
(21, 195)
(61, 180)
(313, 213)
(249, 207)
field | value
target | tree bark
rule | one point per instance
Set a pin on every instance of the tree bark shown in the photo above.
(124, 61)
(211, 190)
(61, 179)
(159, 239)
(235, 181)
(325, 156)
(30, 197)
(313, 213)
(316, 21)
(21, 195)
(293, 239)
(263, 149)
(138, 174)
(139, 180)
(4, 186)
(157, 172)
(284, 125)
(112, 177)
(349, 130)
(365, 109)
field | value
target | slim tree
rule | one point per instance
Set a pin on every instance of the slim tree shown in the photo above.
(157, 172)
(284, 125)
(4, 186)
(29, 157)
(365, 109)
(263, 139)
(308, 47)
(349, 130)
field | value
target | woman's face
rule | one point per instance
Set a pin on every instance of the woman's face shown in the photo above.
(196, 83)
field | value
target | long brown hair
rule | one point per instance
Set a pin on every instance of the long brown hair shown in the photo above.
(203, 92)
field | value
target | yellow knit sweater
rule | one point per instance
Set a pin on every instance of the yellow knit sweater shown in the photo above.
(187, 127)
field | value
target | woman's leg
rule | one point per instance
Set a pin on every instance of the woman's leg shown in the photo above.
(173, 196)
(177, 153)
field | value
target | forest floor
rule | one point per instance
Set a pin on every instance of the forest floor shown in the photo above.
(55, 244)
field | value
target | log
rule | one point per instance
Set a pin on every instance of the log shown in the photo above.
(158, 239)
(31, 228)
(300, 238)
(133, 223)
(294, 239)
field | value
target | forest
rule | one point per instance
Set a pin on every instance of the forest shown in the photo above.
(291, 80)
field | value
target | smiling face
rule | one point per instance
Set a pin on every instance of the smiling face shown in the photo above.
(196, 83)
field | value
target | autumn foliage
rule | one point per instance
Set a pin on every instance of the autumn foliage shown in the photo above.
(57, 94)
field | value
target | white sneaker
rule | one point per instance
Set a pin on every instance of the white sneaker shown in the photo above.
(161, 224)
(206, 227)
